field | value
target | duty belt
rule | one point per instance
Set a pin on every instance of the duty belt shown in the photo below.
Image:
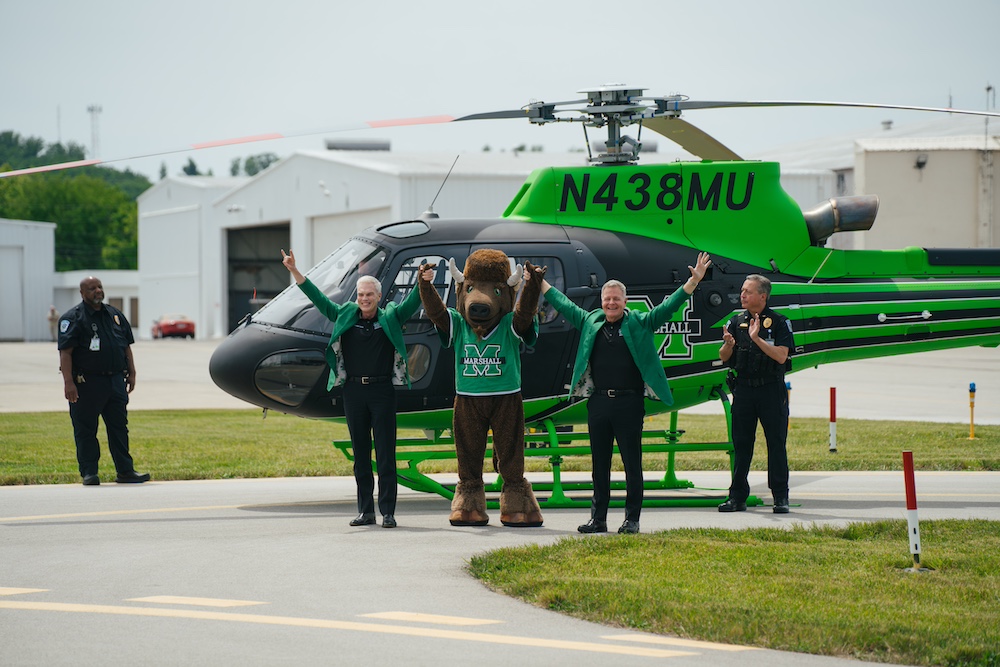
(759, 382)
(368, 379)
(615, 393)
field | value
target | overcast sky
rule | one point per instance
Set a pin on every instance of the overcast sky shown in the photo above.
(171, 74)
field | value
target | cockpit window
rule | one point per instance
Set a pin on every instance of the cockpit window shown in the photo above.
(406, 280)
(336, 276)
(442, 281)
(554, 275)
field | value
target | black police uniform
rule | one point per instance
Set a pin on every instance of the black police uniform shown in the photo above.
(99, 339)
(759, 393)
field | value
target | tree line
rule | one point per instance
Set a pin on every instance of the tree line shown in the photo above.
(93, 207)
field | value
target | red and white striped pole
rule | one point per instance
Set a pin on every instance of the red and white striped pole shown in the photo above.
(833, 419)
(912, 522)
(972, 411)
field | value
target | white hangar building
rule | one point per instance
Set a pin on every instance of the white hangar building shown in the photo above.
(27, 263)
(936, 181)
(210, 247)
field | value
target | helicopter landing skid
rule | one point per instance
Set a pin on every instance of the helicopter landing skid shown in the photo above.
(543, 440)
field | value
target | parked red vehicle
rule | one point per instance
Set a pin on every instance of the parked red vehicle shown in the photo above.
(173, 326)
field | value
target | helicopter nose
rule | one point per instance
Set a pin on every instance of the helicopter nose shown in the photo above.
(479, 311)
(266, 368)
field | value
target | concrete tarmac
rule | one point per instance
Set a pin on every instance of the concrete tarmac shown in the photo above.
(268, 572)
(265, 572)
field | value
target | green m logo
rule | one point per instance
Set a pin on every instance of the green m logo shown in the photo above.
(672, 339)
(484, 362)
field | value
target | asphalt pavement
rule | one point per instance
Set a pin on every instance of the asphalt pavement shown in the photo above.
(268, 572)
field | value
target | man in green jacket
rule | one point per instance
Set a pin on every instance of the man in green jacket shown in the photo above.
(367, 357)
(616, 367)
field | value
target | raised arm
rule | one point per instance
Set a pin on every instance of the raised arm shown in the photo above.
(697, 272)
(527, 305)
(433, 305)
(289, 262)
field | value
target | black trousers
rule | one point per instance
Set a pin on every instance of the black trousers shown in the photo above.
(101, 396)
(768, 405)
(620, 419)
(371, 414)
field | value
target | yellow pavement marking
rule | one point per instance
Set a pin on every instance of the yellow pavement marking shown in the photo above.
(429, 618)
(154, 510)
(351, 626)
(677, 641)
(19, 591)
(200, 602)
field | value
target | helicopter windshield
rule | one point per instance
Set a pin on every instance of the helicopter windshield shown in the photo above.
(336, 276)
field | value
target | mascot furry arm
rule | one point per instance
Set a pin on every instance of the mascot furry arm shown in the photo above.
(527, 305)
(436, 311)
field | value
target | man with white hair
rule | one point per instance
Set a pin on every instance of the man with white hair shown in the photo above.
(367, 357)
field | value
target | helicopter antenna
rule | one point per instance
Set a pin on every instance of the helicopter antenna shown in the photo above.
(429, 213)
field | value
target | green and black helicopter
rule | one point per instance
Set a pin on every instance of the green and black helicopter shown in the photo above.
(641, 224)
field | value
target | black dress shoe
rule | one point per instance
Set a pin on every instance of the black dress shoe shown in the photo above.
(733, 506)
(363, 520)
(388, 521)
(629, 528)
(594, 526)
(132, 478)
(781, 505)
(91, 480)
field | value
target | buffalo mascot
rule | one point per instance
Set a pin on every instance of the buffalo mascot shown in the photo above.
(486, 330)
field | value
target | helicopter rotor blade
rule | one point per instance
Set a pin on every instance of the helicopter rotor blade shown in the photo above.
(690, 138)
(375, 124)
(685, 105)
(496, 115)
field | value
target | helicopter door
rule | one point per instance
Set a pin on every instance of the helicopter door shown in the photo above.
(431, 366)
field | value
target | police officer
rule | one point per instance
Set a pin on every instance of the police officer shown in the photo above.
(98, 371)
(366, 356)
(756, 345)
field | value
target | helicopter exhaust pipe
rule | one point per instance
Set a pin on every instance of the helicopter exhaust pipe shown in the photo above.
(840, 214)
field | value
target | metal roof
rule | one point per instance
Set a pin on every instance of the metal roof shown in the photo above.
(837, 151)
(931, 143)
(480, 163)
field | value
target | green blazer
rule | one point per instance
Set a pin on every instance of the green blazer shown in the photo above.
(637, 329)
(391, 318)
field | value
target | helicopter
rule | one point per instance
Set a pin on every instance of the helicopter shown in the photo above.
(641, 224)
(616, 218)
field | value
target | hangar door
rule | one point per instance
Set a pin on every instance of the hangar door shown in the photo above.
(256, 273)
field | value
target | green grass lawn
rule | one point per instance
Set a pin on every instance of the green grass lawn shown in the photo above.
(822, 590)
(37, 448)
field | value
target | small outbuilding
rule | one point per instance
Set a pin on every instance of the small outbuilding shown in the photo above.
(27, 277)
